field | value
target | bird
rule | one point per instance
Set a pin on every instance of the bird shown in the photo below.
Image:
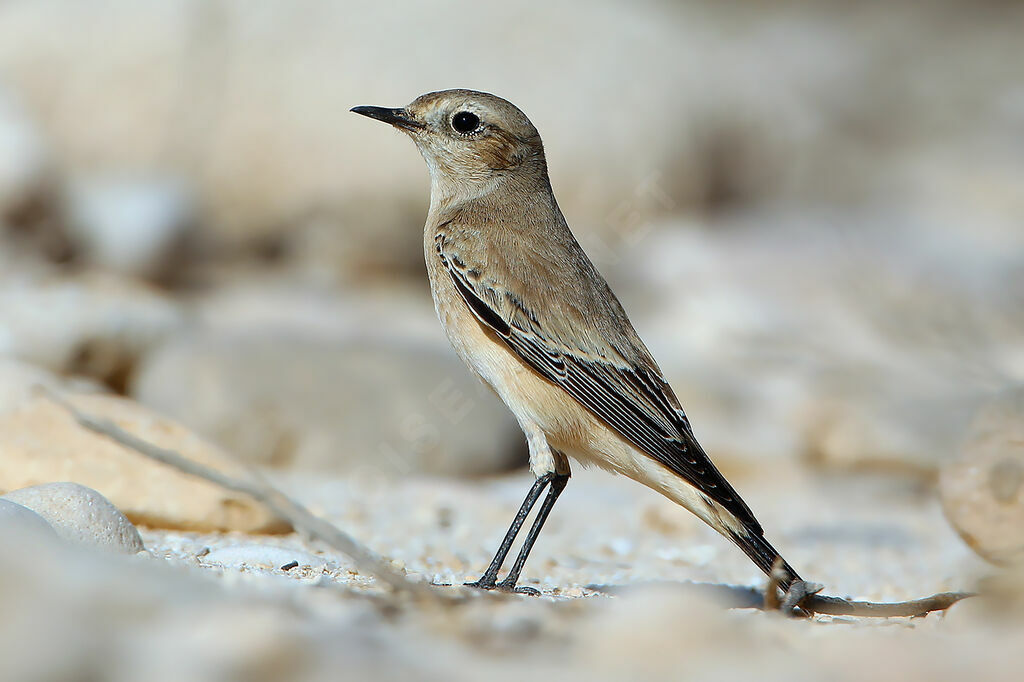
(529, 314)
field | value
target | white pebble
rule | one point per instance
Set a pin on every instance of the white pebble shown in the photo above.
(81, 515)
(14, 514)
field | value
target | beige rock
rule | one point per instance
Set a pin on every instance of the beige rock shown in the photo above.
(80, 514)
(42, 443)
(982, 490)
(347, 404)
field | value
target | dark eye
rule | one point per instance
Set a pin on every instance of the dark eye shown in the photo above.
(465, 121)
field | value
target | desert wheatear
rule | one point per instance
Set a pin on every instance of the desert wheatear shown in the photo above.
(528, 312)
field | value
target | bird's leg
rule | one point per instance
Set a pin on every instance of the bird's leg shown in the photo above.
(488, 581)
(558, 482)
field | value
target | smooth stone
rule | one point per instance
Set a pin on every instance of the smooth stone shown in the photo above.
(14, 514)
(81, 515)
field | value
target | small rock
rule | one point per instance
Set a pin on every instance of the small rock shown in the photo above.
(42, 443)
(80, 514)
(16, 514)
(982, 490)
(133, 225)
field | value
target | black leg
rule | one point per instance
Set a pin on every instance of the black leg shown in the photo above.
(488, 581)
(558, 483)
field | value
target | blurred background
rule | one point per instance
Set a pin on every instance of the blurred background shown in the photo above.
(813, 211)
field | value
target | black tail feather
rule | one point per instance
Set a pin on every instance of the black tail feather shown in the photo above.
(764, 555)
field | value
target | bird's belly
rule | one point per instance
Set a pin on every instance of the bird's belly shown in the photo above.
(535, 402)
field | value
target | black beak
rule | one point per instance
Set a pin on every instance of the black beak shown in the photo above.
(399, 118)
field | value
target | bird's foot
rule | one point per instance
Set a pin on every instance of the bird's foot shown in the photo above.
(799, 590)
(504, 586)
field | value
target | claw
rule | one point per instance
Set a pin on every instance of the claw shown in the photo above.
(522, 589)
(796, 594)
(503, 586)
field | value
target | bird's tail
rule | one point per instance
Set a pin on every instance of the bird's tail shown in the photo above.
(763, 554)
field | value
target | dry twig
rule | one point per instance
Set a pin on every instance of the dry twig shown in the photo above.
(300, 517)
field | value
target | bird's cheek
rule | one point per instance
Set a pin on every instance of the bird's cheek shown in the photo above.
(497, 154)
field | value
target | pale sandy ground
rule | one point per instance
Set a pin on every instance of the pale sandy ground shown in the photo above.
(615, 568)
(866, 538)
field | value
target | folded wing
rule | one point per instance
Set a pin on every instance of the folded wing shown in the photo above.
(631, 398)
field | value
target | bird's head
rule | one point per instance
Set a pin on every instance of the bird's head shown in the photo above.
(470, 139)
